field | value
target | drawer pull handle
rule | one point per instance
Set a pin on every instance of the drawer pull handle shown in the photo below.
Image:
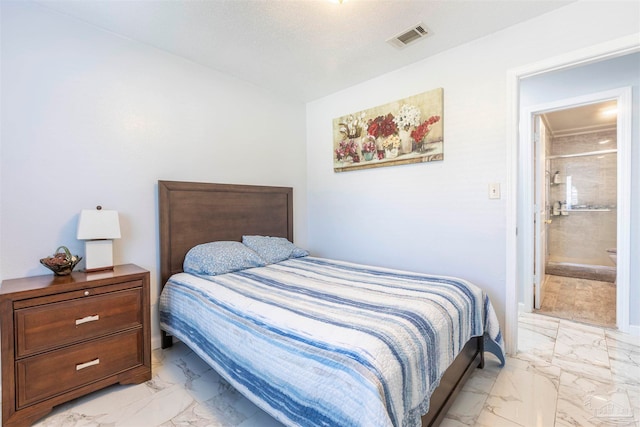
(87, 364)
(87, 319)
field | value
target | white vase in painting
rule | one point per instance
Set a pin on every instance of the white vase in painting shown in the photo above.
(391, 154)
(406, 144)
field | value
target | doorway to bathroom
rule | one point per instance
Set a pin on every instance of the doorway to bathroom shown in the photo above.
(611, 72)
(578, 178)
(575, 179)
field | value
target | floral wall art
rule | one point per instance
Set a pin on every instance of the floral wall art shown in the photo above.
(409, 130)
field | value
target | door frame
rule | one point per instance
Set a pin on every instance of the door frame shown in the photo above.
(623, 96)
(513, 260)
(542, 178)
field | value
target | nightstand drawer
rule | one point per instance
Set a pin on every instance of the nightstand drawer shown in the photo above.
(46, 375)
(54, 325)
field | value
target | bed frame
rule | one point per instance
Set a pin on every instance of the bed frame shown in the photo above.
(191, 213)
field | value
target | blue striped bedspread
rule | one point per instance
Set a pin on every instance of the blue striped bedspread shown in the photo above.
(318, 342)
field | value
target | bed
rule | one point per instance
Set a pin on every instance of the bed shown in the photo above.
(314, 341)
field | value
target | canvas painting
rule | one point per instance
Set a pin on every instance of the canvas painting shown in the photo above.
(409, 130)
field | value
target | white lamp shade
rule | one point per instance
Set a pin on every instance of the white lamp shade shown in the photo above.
(98, 224)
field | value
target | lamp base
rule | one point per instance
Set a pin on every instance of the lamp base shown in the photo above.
(98, 255)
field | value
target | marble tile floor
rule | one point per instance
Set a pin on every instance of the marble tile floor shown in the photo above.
(565, 374)
(582, 300)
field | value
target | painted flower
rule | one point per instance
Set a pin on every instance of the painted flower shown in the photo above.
(353, 126)
(382, 126)
(423, 129)
(408, 116)
(369, 146)
(348, 148)
(391, 142)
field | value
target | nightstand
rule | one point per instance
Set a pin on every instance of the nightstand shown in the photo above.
(66, 336)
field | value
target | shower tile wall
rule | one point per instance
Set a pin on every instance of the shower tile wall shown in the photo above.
(583, 237)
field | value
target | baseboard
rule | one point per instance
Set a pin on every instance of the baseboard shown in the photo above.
(156, 342)
(634, 330)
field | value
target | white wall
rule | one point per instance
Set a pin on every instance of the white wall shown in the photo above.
(593, 78)
(436, 217)
(92, 118)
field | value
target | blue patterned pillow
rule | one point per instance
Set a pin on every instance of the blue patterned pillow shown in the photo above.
(214, 258)
(273, 249)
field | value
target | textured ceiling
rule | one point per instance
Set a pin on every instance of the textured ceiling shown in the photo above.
(302, 49)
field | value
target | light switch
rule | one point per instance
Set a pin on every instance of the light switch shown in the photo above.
(494, 190)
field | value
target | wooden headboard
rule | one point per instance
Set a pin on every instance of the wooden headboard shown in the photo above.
(192, 213)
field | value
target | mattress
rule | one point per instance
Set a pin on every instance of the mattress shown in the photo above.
(318, 342)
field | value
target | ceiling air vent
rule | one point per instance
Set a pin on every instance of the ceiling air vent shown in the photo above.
(409, 36)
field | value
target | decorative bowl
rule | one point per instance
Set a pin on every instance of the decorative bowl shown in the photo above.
(61, 263)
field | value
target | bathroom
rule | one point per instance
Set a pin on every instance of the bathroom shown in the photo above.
(581, 189)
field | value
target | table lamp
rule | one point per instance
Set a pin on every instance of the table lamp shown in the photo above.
(97, 227)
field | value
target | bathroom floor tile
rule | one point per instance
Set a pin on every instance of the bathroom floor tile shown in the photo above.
(581, 300)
